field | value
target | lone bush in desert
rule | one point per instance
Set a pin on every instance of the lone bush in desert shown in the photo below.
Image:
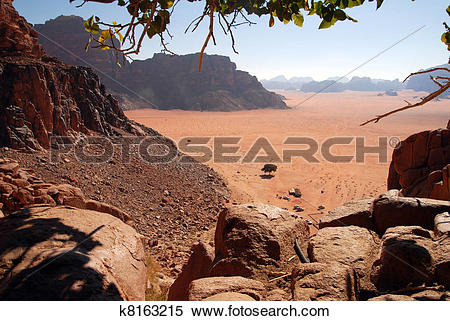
(269, 168)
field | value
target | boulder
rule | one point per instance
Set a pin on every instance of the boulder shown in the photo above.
(201, 289)
(198, 266)
(391, 211)
(107, 208)
(354, 246)
(229, 296)
(392, 297)
(406, 258)
(66, 194)
(251, 240)
(431, 295)
(442, 224)
(323, 282)
(356, 212)
(420, 166)
(442, 260)
(62, 253)
(8, 166)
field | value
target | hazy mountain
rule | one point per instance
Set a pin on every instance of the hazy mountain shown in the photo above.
(332, 84)
(423, 82)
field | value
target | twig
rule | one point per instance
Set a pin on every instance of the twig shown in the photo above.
(442, 89)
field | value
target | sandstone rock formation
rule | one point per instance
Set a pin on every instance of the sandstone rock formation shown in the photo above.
(405, 258)
(420, 167)
(252, 239)
(207, 287)
(42, 97)
(63, 253)
(356, 212)
(198, 266)
(20, 187)
(353, 246)
(65, 38)
(323, 282)
(17, 38)
(391, 211)
(163, 81)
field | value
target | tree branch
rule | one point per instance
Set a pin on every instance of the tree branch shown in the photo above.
(442, 89)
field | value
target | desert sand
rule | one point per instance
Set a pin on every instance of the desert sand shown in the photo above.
(318, 116)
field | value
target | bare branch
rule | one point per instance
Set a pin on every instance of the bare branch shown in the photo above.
(424, 100)
(442, 89)
(426, 72)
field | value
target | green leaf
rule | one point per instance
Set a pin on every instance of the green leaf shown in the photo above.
(327, 24)
(298, 19)
(340, 15)
(91, 26)
(121, 3)
(448, 10)
(379, 3)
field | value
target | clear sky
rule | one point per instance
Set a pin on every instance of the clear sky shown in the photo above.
(292, 51)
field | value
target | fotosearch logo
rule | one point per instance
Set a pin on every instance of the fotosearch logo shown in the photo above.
(218, 149)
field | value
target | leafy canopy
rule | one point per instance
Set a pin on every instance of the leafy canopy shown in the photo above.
(150, 18)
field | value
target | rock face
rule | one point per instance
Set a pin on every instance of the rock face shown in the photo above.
(323, 282)
(69, 32)
(198, 266)
(356, 212)
(163, 81)
(62, 253)
(207, 287)
(251, 239)
(353, 246)
(420, 166)
(42, 97)
(390, 211)
(406, 258)
(17, 38)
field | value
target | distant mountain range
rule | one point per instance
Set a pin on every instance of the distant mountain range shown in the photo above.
(164, 81)
(338, 84)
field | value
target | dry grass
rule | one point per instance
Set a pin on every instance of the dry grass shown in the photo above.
(154, 292)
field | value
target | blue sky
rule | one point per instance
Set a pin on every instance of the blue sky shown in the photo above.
(293, 51)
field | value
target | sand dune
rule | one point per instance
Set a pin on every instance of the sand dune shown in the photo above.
(320, 117)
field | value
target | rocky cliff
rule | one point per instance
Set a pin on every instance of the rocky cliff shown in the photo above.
(42, 96)
(163, 81)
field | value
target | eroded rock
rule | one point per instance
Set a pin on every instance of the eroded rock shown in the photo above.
(61, 253)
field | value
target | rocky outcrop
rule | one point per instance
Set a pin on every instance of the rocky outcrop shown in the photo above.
(323, 282)
(391, 211)
(164, 81)
(17, 38)
(198, 266)
(250, 240)
(21, 187)
(65, 38)
(405, 258)
(420, 167)
(353, 246)
(356, 212)
(42, 97)
(63, 253)
(202, 289)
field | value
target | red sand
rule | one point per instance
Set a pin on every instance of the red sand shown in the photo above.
(322, 116)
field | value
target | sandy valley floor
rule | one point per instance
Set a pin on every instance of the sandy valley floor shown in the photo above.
(320, 117)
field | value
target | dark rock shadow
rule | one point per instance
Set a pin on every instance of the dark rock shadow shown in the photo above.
(265, 176)
(59, 273)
